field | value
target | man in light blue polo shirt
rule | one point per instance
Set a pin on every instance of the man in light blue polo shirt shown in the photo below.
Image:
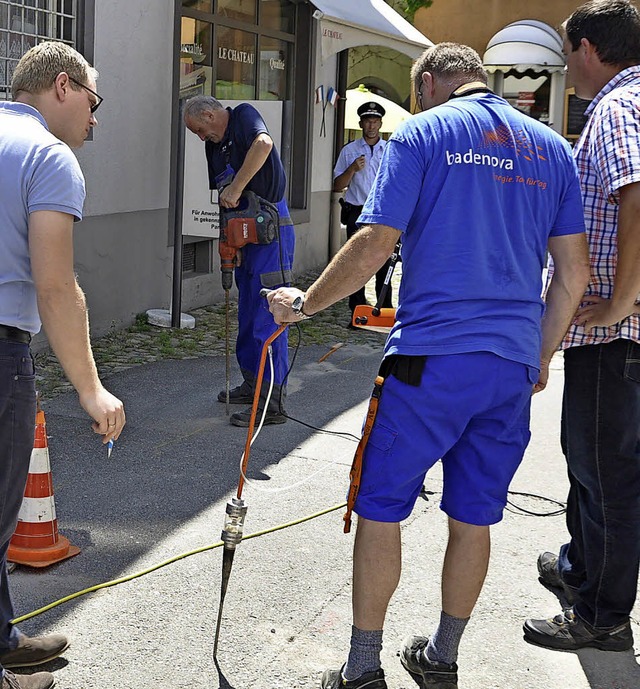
(41, 195)
(356, 169)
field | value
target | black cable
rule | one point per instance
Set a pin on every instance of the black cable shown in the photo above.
(341, 434)
(554, 513)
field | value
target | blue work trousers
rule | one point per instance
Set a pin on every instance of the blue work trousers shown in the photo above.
(269, 266)
(601, 441)
(17, 422)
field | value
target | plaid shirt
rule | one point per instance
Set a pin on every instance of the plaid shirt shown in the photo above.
(608, 158)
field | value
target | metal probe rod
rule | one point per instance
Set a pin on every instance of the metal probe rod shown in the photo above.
(227, 563)
(227, 352)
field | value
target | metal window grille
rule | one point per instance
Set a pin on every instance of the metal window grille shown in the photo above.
(189, 258)
(23, 23)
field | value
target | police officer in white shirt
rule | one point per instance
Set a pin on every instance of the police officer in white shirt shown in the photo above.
(356, 170)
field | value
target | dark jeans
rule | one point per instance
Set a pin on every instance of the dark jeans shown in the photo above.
(17, 421)
(601, 441)
(358, 298)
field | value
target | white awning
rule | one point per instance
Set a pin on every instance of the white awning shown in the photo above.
(351, 23)
(525, 45)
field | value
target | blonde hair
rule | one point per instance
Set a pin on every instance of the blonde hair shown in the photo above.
(40, 65)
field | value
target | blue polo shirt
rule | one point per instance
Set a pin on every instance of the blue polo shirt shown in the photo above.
(245, 124)
(476, 188)
(37, 172)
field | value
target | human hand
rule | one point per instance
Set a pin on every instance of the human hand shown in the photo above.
(359, 163)
(229, 197)
(107, 412)
(280, 301)
(600, 312)
(543, 378)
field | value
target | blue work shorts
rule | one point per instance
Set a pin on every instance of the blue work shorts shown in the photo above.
(471, 411)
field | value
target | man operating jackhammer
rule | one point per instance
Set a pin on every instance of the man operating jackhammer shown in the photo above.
(470, 343)
(241, 157)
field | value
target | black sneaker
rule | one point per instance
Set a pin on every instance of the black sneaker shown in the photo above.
(568, 632)
(550, 576)
(427, 674)
(243, 394)
(242, 418)
(332, 679)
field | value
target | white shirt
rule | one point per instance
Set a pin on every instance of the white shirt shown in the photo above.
(362, 181)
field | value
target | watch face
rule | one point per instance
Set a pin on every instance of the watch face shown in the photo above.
(297, 304)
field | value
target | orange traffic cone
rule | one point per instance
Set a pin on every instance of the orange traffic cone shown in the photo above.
(36, 541)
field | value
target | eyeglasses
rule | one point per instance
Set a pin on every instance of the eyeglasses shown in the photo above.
(99, 99)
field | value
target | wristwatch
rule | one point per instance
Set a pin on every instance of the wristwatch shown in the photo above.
(296, 307)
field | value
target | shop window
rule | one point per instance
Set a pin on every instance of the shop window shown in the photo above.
(235, 64)
(274, 66)
(23, 23)
(195, 57)
(278, 14)
(240, 10)
(202, 5)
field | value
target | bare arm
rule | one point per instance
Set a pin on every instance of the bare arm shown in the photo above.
(253, 161)
(344, 180)
(626, 286)
(570, 279)
(63, 311)
(351, 268)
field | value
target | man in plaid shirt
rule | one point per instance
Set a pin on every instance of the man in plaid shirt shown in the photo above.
(597, 570)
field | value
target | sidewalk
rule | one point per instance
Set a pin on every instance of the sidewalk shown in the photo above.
(287, 610)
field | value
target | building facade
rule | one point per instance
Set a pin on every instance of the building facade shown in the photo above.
(148, 239)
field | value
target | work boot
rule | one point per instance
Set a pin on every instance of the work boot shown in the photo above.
(243, 394)
(568, 632)
(242, 418)
(332, 679)
(427, 674)
(34, 650)
(550, 576)
(39, 680)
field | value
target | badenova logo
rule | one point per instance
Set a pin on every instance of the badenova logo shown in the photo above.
(471, 158)
(503, 138)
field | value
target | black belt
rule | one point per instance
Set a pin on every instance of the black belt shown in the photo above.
(14, 334)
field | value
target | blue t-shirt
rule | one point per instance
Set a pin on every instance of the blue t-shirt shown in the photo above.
(476, 188)
(37, 172)
(245, 124)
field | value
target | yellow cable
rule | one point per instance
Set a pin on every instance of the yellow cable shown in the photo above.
(129, 577)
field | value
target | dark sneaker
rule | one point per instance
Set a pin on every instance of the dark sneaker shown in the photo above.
(39, 680)
(568, 632)
(243, 394)
(35, 651)
(550, 576)
(426, 673)
(332, 679)
(242, 418)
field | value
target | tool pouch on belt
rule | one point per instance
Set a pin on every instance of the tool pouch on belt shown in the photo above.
(406, 369)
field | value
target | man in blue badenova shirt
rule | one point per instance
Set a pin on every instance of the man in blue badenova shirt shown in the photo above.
(241, 156)
(478, 192)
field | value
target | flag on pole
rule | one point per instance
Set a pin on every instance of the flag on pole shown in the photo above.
(320, 94)
(332, 96)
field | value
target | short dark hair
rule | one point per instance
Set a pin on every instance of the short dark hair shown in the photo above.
(612, 26)
(448, 61)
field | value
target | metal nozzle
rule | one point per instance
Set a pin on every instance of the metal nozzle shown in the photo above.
(233, 523)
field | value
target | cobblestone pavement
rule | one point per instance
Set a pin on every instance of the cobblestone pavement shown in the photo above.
(142, 343)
